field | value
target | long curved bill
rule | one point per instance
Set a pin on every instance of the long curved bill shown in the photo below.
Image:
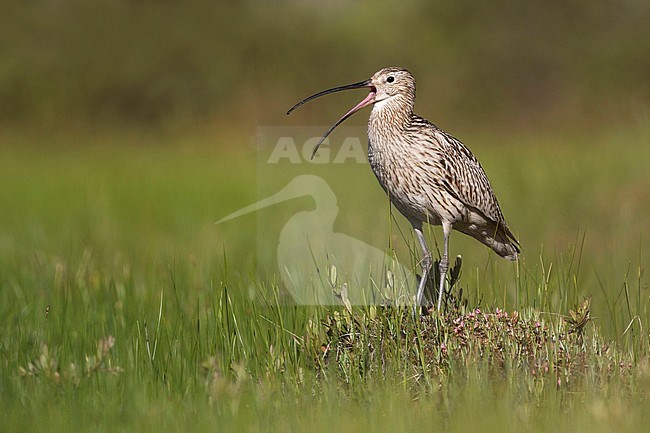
(370, 99)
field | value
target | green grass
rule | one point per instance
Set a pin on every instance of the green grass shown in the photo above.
(117, 239)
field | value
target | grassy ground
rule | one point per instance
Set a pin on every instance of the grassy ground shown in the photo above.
(123, 307)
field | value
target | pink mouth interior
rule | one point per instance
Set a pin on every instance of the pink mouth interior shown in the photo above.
(370, 99)
(366, 101)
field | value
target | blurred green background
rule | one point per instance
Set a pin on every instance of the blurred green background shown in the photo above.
(133, 123)
(502, 65)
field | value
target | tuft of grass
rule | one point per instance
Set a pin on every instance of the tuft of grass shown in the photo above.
(532, 349)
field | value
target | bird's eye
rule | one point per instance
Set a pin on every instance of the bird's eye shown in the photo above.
(390, 79)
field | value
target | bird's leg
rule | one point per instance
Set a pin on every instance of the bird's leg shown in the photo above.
(444, 262)
(426, 266)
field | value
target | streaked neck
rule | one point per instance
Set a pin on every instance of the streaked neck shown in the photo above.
(391, 114)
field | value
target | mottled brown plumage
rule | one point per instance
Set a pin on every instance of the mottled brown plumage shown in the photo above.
(429, 175)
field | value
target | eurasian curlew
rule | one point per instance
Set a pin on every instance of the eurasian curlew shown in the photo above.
(429, 175)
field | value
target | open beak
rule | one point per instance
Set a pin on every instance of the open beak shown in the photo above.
(370, 99)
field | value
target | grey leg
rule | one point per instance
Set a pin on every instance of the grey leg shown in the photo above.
(426, 265)
(444, 262)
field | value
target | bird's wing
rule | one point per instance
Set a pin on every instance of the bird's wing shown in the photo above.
(470, 183)
(461, 174)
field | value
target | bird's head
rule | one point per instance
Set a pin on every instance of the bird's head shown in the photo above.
(393, 82)
(386, 85)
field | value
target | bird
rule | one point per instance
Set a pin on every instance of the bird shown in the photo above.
(308, 245)
(429, 175)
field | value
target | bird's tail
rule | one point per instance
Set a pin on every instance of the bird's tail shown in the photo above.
(496, 236)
